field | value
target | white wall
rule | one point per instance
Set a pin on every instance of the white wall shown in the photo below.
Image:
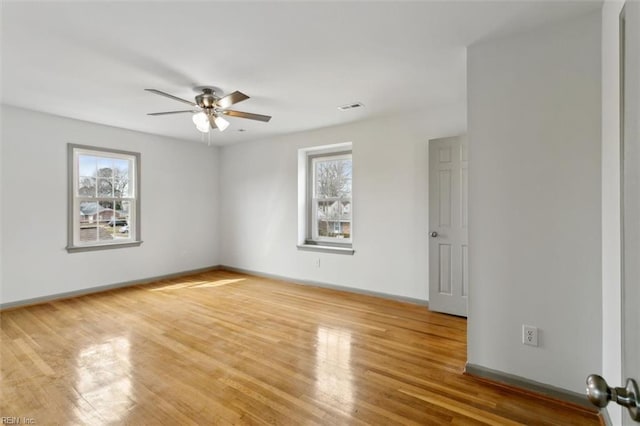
(179, 207)
(390, 169)
(611, 235)
(534, 109)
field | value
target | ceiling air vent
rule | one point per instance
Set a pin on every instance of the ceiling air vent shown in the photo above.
(350, 106)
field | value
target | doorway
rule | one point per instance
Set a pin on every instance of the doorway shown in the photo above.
(448, 225)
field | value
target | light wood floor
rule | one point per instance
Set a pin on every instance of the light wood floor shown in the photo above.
(226, 348)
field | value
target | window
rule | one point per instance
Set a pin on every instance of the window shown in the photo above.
(331, 198)
(104, 198)
(325, 189)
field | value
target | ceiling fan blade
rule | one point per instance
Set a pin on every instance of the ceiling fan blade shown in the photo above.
(172, 112)
(212, 122)
(248, 115)
(158, 92)
(231, 98)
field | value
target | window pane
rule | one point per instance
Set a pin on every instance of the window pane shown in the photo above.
(105, 214)
(332, 178)
(104, 187)
(121, 172)
(88, 233)
(105, 211)
(323, 228)
(120, 222)
(321, 209)
(346, 229)
(88, 211)
(124, 209)
(88, 221)
(105, 167)
(110, 176)
(123, 221)
(333, 212)
(87, 186)
(92, 230)
(125, 213)
(345, 212)
(87, 165)
(334, 229)
(104, 221)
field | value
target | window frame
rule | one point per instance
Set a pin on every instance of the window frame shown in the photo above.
(307, 228)
(74, 151)
(313, 236)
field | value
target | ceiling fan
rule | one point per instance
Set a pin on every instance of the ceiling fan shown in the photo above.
(208, 109)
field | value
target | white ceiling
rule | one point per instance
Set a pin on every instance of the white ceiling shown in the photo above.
(298, 61)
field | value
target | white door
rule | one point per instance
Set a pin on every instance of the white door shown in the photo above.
(448, 232)
(630, 303)
(631, 198)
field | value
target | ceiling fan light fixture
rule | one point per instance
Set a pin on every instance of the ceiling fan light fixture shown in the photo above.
(221, 123)
(200, 118)
(203, 129)
(201, 121)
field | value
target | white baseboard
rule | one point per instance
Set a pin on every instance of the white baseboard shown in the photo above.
(530, 385)
(327, 285)
(98, 289)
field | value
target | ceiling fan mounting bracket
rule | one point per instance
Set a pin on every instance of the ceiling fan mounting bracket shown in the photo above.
(200, 89)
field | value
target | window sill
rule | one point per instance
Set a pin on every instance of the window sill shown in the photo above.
(326, 249)
(77, 249)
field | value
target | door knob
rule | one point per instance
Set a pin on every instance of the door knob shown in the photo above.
(599, 393)
(434, 234)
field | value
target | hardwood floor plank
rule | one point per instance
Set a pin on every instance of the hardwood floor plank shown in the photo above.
(227, 348)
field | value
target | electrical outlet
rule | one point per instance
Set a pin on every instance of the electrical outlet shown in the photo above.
(318, 262)
(529, 335)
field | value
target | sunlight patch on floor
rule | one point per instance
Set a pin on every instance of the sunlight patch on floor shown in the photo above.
(103, 379)
(219, 283)
(197, 284)
(334, 375)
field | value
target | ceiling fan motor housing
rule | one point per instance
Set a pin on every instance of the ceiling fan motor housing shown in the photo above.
(207, 99)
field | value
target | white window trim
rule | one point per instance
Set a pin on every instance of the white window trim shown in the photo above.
(307, 232)
(313, 205)
(73, 213)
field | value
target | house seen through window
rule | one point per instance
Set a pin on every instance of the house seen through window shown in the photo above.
(104, 201)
